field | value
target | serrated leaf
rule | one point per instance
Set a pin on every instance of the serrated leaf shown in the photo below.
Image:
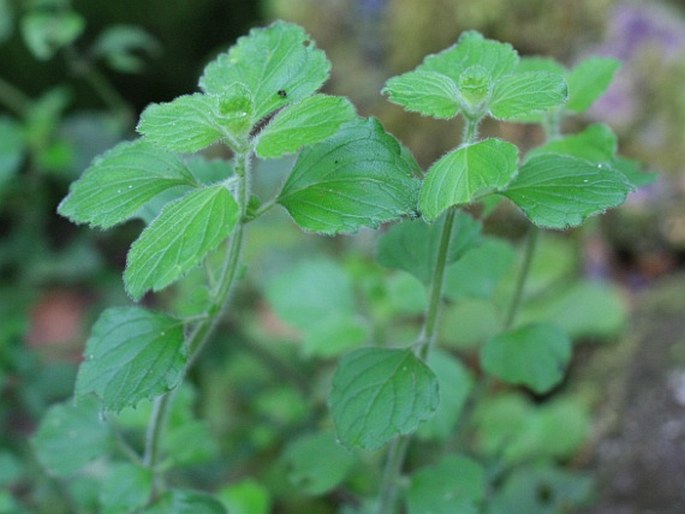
(412, 245)
(455, 485)
(360, 177)
(126, 489)
(179, 501)
(478, 273)
(522, 94)
(304, 123)
(132, 354)
(597, 144)
(589, 80)
(279, 64)
(120, 182)
(467, 173)
(12, 146)
(316, 463)
(71, 436)
(378, 394)
(46, 33)
(179, 238)
(473, 49)
(427, 92)
(193, 122)
(455, 384)
(558, 191)
(534, 355)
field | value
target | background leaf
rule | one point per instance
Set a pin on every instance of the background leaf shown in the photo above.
(596, 144)
(126, 489)
(427, 92)
(412, 245)
(316, 463)
(378, 394)
(304, 123)
(131, 355)
(71, 436)
(533, 355)
(279, 58)
(589, 80)
(467, 173)
(120, 182)
(455, 485)
(179, 238)
(46, 32)
(359, 177)
(557, 191)
(179, 501)
(12, 147)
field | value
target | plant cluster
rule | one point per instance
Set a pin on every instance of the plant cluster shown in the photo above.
(260, 99)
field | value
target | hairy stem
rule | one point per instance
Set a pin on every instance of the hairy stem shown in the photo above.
(529, 251)
(204, 329)
(388, 493)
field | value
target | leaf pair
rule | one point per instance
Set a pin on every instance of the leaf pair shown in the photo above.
(476, 76)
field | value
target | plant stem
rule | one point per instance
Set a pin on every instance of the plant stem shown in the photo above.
(204, 329)
(397, 451)
(429, 332)
(529, 251)
(387, 496)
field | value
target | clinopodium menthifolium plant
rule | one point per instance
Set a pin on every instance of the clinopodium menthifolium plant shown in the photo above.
(260, 100)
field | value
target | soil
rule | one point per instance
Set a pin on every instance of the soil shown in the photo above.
(640, 457)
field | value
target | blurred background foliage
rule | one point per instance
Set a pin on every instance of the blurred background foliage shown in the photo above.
(69, 97)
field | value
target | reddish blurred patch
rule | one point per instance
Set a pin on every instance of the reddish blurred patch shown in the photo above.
(56, 324)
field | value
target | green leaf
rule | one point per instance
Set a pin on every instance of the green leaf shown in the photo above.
(6, 20)
(246, 497)
(179, 501)
(12, 147)
(179, 238)
(469, 323)
(521, 94)
(70, 437)
(427, 92)
(317, 464)
(359, 177)
(557, 191)
(588, 81)
(478, 273)
(193, 122)
(413, 245)
(534, 355)
(46, 33)
(473, 49)
(596, 144)
(132, 354)
(121, 46)
(586, 309)
(323, 287)
(453, 486)
(120, 182)
(455, 384)
(466, 174)
(126, 489)
(380, 393)
(279, 64)
(543, 489)
(324, 308)
(304, 123)
(633, 170)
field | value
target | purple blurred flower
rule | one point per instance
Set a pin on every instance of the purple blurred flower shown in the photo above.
(633, 28)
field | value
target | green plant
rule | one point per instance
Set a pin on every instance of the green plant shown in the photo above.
(260, 99)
